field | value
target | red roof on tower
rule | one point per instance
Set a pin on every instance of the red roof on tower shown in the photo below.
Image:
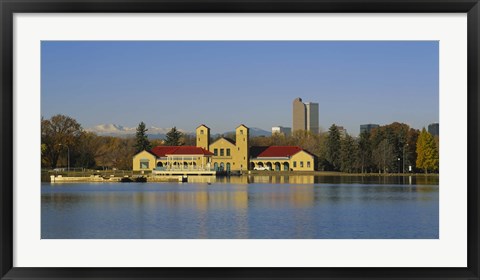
(163, 151)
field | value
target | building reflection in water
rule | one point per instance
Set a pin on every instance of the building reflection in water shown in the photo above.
(234, 207)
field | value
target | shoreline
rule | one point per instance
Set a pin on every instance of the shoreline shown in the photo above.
(60, 178)
(336, 173)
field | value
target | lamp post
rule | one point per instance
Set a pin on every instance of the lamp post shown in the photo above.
(398, 165)
(403, 165)
(68, 156)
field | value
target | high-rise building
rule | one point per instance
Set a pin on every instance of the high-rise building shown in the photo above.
(299, 115)
(367, 127)
(305, 116)
(312, 117)
(433, 129)
(287, 131)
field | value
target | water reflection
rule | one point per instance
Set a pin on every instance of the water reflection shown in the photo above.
(271, 178)
(223, 209)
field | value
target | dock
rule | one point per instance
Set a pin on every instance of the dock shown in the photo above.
(185, 172)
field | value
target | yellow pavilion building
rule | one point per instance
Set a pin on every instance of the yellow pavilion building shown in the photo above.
(224, 154)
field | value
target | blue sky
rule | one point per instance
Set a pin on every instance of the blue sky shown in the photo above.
(226, 83)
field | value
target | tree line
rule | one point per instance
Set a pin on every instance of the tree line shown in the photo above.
(392, 148)
(64, 142)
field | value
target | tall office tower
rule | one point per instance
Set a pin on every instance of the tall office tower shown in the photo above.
(299, 115)
(367, 127)
(312, 117)
(305, 116)
(433, 129)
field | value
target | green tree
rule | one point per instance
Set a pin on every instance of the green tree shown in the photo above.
(365, 152)
(332, 153)
(348, 154)
(60, 134)
(84, 151)
(384, 156)
(410, 149)
(141, 137)
(427, 152)
(173, 137)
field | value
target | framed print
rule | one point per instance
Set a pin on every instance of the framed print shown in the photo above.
(237, 139)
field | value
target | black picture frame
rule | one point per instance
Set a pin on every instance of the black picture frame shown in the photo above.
(9, 7)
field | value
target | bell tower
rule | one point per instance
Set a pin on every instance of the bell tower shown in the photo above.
(203, 136)
(241, 142)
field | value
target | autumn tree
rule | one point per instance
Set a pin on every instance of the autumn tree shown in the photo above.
(141, 137)
(304, 139)
(427, 152)
(279, 139)
(173, 137)
(58, 134)
(188, 139)
(113, 152)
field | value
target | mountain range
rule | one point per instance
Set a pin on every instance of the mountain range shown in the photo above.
(157, 132)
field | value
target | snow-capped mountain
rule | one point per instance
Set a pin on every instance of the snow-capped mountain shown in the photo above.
(156, 132)
(120, 130)
(254, 132)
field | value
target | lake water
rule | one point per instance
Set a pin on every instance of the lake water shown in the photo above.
(260, 207)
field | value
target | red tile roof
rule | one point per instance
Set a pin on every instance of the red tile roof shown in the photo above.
(274, 151)
(163, 151)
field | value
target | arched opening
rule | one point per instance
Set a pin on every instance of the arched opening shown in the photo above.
(159, 164)
(277, 166)
(260, 164)
(222, 166)
(185, 165)
(252, 165)
(215, 166)
(286, 166)
(228, 166)
(269, 165)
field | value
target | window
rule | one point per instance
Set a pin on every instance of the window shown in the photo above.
(308, 164)
(201, 131)
(215, 152)
(239, 148)
(228, 152)
(144, 164)
(222, 152)
(301, 164)
(294, 164)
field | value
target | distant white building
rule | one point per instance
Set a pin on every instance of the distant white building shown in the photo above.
(287, 131)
